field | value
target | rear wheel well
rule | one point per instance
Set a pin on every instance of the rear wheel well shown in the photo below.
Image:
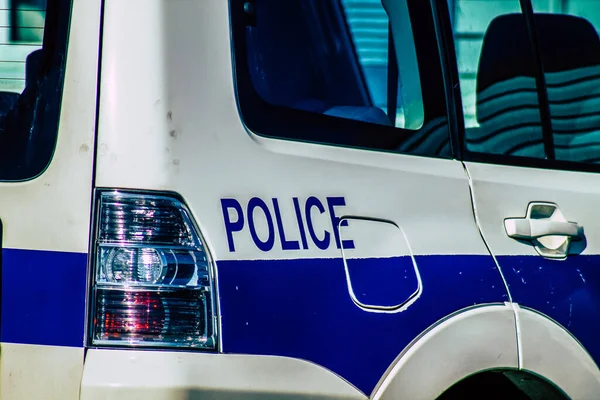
(503, 384)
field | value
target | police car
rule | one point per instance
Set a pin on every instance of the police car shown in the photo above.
(386, 199)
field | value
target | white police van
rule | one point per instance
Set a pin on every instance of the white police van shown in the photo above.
(300, 199)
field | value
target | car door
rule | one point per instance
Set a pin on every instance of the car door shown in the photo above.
(531, 141)
(343, 250)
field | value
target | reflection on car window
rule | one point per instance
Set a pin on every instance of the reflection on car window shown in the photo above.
(497, 76)
(570, 51)
(32, 56)
(502, 81)
(342, 72)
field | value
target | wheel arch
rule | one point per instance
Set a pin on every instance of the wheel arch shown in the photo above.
(491, 337)
(472, 340)
(550, 351)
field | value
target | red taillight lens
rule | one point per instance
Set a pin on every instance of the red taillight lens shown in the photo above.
(143, 316)
(129, 315)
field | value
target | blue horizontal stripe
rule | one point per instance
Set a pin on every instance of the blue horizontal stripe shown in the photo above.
(302, 308)
(43, 297)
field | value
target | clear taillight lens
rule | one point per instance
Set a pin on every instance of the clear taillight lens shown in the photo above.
(152, 275)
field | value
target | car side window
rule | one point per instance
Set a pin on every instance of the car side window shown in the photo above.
(33, 42)
(530, 80)
(351, 73)
(570, 54)
(497, 73)
(369, 28)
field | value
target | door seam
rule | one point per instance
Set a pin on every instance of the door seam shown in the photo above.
(513, 305)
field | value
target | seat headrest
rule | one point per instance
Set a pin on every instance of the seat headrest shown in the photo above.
(33, 67)
(504, 53)
(566, 42)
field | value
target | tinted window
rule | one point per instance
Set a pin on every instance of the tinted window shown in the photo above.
(570, 52)
(362, 73)
(368, 25)
(497, 73)
(32, 58)
(530, 81)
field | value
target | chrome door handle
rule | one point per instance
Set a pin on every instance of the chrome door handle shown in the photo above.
(529, 229)
(546, 228)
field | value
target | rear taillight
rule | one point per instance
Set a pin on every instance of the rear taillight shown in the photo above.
(152, 275)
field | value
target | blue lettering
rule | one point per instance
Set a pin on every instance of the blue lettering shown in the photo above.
(285, 244)
(267, 245)
(300, 223)
(231, 226)
(333, 202)
(236, 223)
(310, 203)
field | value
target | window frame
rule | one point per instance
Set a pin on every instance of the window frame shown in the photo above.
(459, 131)
(357, 134)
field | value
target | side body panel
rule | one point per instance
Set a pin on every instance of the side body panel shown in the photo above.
(45, 225)
(550, 351)
(566, 291)
(283, 289)
(529, 99)
(159, 375)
